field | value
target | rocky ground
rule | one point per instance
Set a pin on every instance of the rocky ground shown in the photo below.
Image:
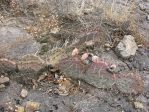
(73, 63)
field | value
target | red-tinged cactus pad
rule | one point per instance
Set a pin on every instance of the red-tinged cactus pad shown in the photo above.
(94, 74)
(98, 76)
(72, 66)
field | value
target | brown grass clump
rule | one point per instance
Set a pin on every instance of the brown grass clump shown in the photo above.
(77, 21)
(119, 12)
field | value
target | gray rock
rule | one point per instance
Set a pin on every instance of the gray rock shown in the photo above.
(16, 42)
(141, 62)
(7, 66)
(141, 6)
(127, 47)
(2, 86)
(4, 80)
(24, 93)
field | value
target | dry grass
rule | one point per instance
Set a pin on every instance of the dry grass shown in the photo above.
(119, 12)
(90, 13)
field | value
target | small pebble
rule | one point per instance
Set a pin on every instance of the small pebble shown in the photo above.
(95, 59)
(4, 80)
(75, 52)
(20, 109)
(32, 106)
(24, 93)
(90, 43)
(107, 46)
(2, 86)
(84, 56)
(138, 105)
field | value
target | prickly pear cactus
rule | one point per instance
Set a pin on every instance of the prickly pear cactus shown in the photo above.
(98, 76)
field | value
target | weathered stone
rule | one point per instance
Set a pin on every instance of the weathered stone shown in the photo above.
(142, 7)
(16, 42)
(138, 105)
(32, 106)
(4, 80)
(7, 65)
(127, 47)
(24, 93)
(141, 60)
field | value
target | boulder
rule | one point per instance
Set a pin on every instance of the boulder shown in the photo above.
(127, 47)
